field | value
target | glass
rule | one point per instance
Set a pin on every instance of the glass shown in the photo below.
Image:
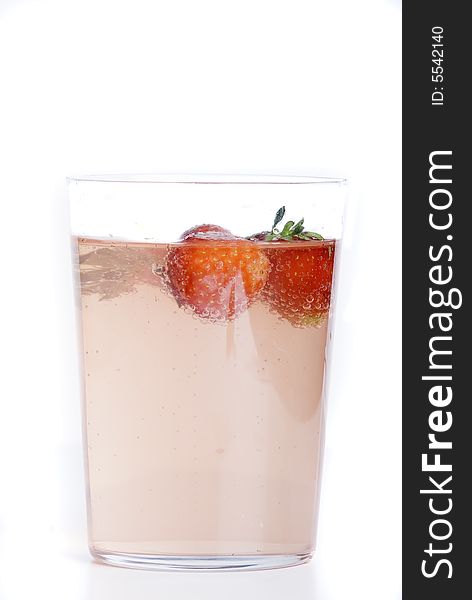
(205, 308)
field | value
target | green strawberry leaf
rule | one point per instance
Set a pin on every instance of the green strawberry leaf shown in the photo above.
(291, 231)
(279, 215)
(298, 228)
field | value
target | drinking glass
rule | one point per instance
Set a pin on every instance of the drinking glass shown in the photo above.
(205, 308)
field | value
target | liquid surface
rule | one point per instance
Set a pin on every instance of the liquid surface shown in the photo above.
(202, 437)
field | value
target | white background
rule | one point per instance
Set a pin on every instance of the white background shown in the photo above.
(292, 86)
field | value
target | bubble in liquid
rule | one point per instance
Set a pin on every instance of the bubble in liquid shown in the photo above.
(157, 270)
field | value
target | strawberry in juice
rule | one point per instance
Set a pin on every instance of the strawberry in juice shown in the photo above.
(204, 369)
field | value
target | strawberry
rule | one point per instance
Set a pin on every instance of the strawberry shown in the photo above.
(214, 273)
(298, 286)
(206, 232)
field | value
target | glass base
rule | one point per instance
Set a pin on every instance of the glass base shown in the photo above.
(201, 563)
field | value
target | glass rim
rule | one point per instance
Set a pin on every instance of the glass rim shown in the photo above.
(207, 178)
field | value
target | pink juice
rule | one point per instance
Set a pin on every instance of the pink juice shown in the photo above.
(203, 435)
